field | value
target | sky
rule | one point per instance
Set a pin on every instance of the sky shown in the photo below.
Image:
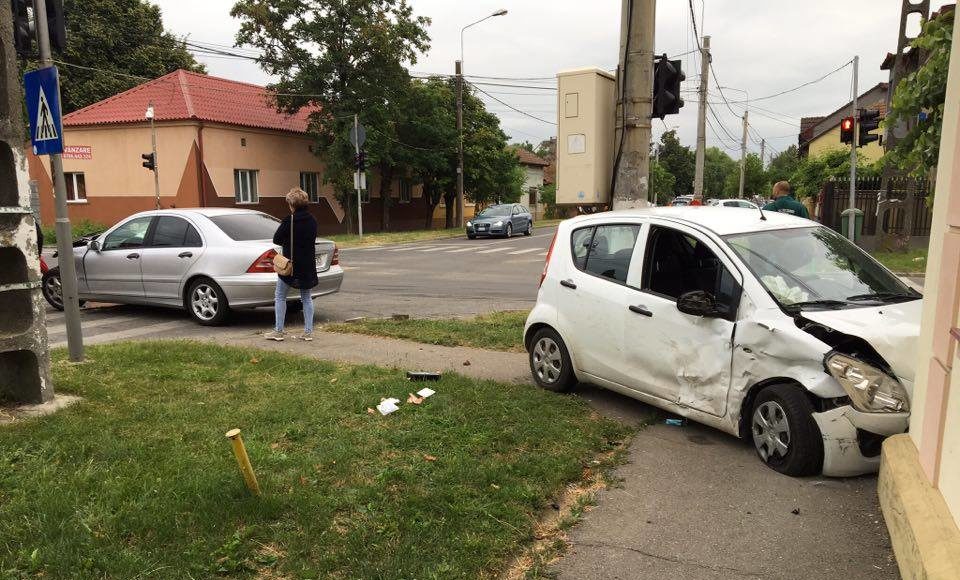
(758, 46)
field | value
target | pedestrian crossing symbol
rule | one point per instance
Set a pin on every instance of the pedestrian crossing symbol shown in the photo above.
(43, 106)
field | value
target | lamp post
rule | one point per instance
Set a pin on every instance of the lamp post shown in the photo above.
(459, 71)
(156, 166)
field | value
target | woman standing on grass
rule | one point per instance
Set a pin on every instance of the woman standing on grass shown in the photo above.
(297, 235)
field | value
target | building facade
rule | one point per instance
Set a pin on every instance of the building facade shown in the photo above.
(533, 180)
(821, 134)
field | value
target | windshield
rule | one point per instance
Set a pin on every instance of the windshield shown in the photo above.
(495, 211)
(243, 227)
(817, 267)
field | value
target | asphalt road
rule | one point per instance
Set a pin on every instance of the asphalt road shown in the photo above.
(451, 277)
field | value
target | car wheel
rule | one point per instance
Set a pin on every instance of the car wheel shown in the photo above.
(509, 233)
(550, 362)
(52, 289)
(207, 303)
(529, 231)
(784, 433)
(471, 236)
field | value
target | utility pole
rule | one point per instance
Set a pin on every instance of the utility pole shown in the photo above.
(459, 209)
(743, 152)
(636, 103)
(359, 178)
(763, 153)
(156, 163)
(702, 118)
(68, 269)
(852, 219)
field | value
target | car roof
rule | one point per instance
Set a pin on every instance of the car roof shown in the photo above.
(204, 211)
(720, 220)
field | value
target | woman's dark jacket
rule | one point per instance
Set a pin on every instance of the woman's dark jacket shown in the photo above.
(304, 254)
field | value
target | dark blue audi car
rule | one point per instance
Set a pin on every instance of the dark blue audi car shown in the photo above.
(505, 219)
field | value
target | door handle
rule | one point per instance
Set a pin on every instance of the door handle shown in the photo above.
(642, 311)
(185, 255)
(133, 256)
(568, 284)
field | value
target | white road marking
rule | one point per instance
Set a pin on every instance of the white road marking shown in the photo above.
(527, 251)
(128, 334)
(457, 251)
(85, 323)
(492, 250)
(434, 249)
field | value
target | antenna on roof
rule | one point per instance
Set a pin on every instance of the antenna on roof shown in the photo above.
(762, 217)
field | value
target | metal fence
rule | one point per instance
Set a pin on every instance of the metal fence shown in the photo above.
(837, 198)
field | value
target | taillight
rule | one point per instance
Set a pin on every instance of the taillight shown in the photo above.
(546, 263)
(263, 264)
(336, 256)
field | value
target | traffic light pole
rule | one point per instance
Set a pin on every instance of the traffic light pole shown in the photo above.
(356, 129)
(156, 163)
(702, 119)
(852, 219)
(68, 268)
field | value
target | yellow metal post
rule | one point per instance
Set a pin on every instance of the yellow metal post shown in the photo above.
(243, 461)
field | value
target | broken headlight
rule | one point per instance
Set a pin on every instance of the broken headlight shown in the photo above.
(870, 389)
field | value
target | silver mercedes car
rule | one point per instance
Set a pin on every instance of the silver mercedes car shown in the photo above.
(206, 261)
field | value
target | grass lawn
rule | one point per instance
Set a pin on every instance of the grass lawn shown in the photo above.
(138, 480)
(495, 331)
(386, 238)
(904, 262)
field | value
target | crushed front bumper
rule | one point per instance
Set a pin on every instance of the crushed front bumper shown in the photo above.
(851, 439)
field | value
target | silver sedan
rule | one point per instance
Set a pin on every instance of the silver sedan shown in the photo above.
(206, 261)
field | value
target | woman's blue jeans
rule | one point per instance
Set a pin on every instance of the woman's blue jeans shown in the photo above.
(280, 306)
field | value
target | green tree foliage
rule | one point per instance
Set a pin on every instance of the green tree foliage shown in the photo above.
(343, 57)
(754, 179)
(679, 161)
(662, 183)
(115, 36)
(923, 92)
(717, 166)
(783, 165)
(525, 145)
(812, 172)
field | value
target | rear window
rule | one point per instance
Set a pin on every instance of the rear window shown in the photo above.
(247, 226)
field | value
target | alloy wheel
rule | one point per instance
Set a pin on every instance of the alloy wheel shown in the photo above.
(54, 291)
(771, 430)
(205, 302)
(547, 360)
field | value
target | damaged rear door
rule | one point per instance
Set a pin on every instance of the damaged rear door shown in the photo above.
(679, 357)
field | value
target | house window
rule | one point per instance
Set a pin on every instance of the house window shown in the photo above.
(533, 195)
(310, 183)
(245, 185)
(406, 191)
(76, 187)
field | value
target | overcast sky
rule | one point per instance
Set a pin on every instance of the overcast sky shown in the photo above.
(761, 46)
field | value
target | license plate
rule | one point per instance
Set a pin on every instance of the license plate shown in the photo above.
(321, 261)
(481, 227)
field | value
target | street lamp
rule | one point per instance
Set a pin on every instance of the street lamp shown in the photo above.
(459, 71)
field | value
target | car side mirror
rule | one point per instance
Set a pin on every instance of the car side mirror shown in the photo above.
(698, 303)
(94, 245)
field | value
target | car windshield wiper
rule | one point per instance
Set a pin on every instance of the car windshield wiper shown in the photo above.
(822, 303)
(885, 296)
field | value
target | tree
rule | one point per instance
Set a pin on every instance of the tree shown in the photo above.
(492, 170)
(117, 37)
(340, 57)
(920, 98)
(679, 161)
(812, 172)
(525, 145)
(754, 179)
(662, 183)
(717, 166)
(783, 165)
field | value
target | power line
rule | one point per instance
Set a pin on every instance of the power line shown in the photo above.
(508, 105)
(806, 84)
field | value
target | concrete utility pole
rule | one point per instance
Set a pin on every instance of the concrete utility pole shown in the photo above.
(359, 177)
(702, 118)
(763, 153)
(68, 269)
(637, 32)
(156, 163)
(459, 209)
(852, 220)
(743, 152)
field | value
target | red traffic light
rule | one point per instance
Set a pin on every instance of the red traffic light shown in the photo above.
(848, 124)
(846, 130)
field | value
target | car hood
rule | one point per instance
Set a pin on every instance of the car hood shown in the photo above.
(489, 220)
(891, 329)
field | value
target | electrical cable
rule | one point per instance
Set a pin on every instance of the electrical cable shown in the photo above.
(622, 99)
(508, 105)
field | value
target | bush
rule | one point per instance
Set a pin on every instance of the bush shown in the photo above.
(80, 229)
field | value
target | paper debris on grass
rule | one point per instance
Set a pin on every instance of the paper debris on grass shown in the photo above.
(413, 399)
(425, 392)
(388, 406)
(429, 458)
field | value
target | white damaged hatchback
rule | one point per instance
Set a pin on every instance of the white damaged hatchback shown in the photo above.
(766, 326)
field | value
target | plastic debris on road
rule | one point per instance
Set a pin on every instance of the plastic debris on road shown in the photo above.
(425, 392)
(388, 406)
(675, 422)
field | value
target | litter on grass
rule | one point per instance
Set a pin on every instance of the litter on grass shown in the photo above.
(425, 392)
(413, 399)
(388, 406)
(423, 376)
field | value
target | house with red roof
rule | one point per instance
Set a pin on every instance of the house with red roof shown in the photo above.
(220, 143)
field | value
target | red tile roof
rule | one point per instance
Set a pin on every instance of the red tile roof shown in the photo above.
(528, 158)
(183, 95)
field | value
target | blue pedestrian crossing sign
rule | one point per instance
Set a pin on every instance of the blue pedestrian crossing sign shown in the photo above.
(43, 106)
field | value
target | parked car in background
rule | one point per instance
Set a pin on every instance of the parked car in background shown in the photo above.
(742, 203)
(776, 330)
(503, 219)
(682, 200)
(206, 261)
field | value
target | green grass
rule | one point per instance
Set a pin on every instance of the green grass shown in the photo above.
(138, 480)
(495, 331)
(387, 238)
(904, 262)
(78, 229)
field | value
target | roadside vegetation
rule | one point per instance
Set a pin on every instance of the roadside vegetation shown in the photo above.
(78, 228)
(138, 480)
(911, 262)
(494, 331)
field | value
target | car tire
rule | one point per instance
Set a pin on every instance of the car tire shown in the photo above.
(52, 289)
(509, 233)
(529, 231)
(471, 236)
(550, 362)
(207, 303)
(784, 433)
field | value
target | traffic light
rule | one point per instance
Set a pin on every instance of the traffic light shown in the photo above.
(56, 25)
(149, 161)
(361, 160)
(22, 38)
(24, 29)
(667, 77)
(869, 121)
(846, 130)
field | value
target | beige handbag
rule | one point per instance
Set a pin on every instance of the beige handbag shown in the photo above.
(281, 264)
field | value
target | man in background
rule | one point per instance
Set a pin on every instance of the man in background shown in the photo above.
(784, 202)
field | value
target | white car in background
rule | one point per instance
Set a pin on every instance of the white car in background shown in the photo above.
(772, 328)
(206, 261)
(741, 203)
